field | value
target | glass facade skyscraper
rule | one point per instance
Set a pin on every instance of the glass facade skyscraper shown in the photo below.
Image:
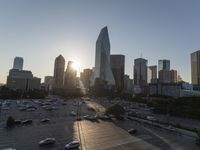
(59, 67)
(140, 72)
(163, 65)
(195, 67)
(102, 69)
(18, 63)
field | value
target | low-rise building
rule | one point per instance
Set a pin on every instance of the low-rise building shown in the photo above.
(22, 80)
(172, 90)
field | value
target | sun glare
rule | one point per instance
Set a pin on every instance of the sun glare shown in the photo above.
(76, 66)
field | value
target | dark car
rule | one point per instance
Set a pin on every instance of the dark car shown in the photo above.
(47, 141)
(78, 119)
(18, 122)
(27, 122)
(72, 145)
(46, 120)
(132, 131)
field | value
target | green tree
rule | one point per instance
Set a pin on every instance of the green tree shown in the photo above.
(10, 122)
(116, 110)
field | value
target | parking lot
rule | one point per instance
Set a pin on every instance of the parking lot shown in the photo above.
(61, 125)
(93, 135)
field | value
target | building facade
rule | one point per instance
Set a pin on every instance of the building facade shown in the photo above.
(22, 80)
(85, 77)
(118, 67)
(128, 84)
(163, 65)
(168, 76)
(70, 76)
(140, 72)
(152, 74)
(48, 83)
(18, 63)
(103, 70)
(195, 67)
(59, 67)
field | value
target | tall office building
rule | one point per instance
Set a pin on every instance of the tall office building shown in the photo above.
(102, 59)
(195, 67)
(59, 67)
(174, 76)
(48, 82)
(128, 84)
(167, 76)
(117, 65)
(163, 65)
(70, 76)
(85, 77)
(152, 74)
(140, 72)
(18, 63)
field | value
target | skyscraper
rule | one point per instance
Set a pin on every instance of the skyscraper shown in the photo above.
(59, 67)
(195, 67)
(117, 65)
(18, 63)
(85, 77)
(163, 65)
(102, 58)
(140, 72)
(152, 74)
(70, 76)
(168, 76)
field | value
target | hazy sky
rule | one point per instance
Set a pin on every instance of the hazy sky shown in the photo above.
(40, 30)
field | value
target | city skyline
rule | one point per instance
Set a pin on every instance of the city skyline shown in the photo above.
(71, 29)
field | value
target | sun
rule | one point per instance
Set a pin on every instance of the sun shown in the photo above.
(76, 66)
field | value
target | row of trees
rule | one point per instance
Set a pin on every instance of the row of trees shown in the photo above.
(6, 93)
(188, 107)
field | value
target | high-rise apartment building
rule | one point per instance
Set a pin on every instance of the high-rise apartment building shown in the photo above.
(195, 67)
(18, 63)
(163, 65)
(118, 66)
(70, 76)
(140, 72)
(59, 67)
(103, 70)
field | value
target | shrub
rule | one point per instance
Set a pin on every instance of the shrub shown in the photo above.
(116, 110)
(10, 122)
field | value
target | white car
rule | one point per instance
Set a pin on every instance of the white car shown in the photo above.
(72, 145)
(73, 113)
(9, 149)
(47, 141)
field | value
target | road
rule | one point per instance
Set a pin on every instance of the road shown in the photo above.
(104, 135)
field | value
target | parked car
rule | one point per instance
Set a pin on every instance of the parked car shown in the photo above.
(18, 122)
(27, 122)
(22, 108)
(47, 141)
(45, 120)
(31, 109)
(73, 113)
(132, 131)
(72, 145)
(78, 119)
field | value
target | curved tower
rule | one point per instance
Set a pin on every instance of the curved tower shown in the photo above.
(102, 59)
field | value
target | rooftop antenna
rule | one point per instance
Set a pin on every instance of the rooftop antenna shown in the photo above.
(141, 55)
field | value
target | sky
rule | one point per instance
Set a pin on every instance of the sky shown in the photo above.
(40, 30)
